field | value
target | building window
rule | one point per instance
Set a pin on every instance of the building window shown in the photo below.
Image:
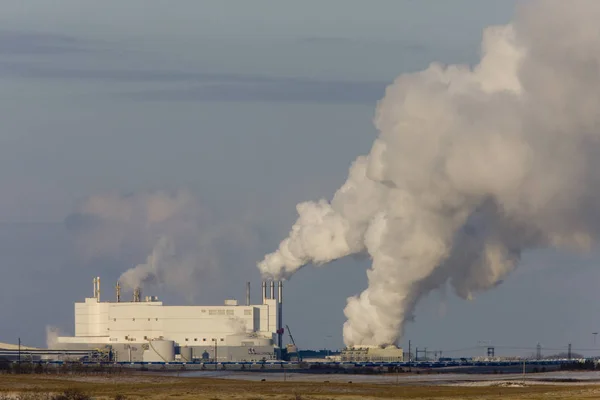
(134, 319)
(247, 312)
(204, 339)
(157, 319)
(145, 337)
(222, 340)
(114, 319)
(148, 319)
(186, 339)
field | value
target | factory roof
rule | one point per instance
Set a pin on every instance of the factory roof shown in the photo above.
(8, 346)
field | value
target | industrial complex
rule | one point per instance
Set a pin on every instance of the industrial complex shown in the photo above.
(144, 329)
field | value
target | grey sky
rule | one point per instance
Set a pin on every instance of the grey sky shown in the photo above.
(254, 106)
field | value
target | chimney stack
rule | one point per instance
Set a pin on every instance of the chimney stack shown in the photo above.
(247, 293)
(280, 316)
(137, 295)
(272, 290)
(98, 288)
(280, 294)
(118, 290)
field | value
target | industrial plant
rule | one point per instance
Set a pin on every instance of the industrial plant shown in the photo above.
(144, 330)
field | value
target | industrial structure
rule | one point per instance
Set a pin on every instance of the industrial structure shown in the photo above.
(144, 329)
(372, 354)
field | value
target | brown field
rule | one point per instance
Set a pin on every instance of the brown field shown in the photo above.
(158, 387)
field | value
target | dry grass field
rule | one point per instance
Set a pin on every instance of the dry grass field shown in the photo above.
(32, 387)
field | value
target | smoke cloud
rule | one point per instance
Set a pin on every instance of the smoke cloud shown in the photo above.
(472, 166)
(52, 334)
(177, 240)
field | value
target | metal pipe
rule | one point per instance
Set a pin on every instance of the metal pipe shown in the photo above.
(247, 293)
(272, 290)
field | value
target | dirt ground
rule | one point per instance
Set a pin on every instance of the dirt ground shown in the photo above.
(159, 387)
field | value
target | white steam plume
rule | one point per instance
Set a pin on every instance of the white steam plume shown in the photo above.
(471, 167)
(177, 240)
(52, 334)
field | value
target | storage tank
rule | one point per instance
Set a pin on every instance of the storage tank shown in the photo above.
(186, 354)
(160, 351)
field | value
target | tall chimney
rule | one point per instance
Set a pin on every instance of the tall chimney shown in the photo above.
(247, 293)
(118, 290)
(264, 291)
(98, 290)
(272, 290)
(280, 316)
(95, 288)
(137, 295)
(280, 294)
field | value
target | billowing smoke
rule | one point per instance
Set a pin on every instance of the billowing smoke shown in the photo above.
(472, 166)
(52, 334)
(178, 242)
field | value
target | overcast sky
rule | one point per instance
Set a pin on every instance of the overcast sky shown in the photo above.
(253, 107)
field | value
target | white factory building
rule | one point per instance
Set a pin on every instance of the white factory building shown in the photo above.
(144, 329)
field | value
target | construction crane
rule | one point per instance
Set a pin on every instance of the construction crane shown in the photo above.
(293, 342)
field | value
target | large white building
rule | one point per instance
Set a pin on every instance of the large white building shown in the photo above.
(148, 330)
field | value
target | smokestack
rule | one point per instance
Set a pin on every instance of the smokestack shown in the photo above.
(95, 288)
(118, 290)
(264, 291)
(98, 288)
(247, 293)
(137, 295)
(280, 317)
(272, 290)
(280, 293)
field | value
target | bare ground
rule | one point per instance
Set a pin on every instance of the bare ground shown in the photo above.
(160, 387)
